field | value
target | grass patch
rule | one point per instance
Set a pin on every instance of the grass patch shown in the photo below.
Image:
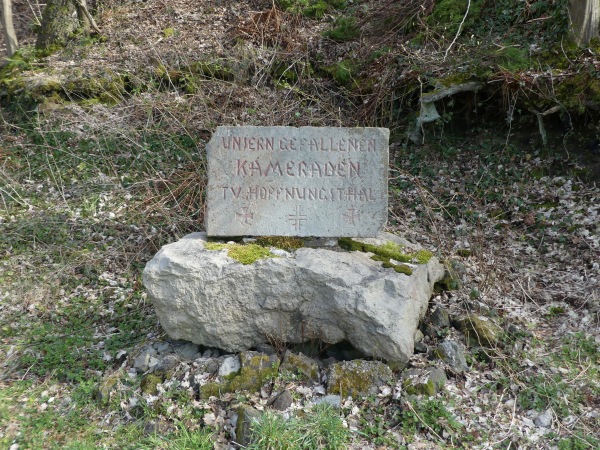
(430, 415)
(322, 428)
(182, 439)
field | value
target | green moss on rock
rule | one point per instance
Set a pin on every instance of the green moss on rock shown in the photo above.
(107, 386)
(243, 253)
(389, 250)
(150, 382)
(399, 268)
(282, 242)
(419, 382)
(479, 330)
(357, 378)
(212, 389)
(257, 369)
(389, 254)
(300, 367)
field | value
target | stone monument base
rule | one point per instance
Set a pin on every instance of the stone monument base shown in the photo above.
(326, 294)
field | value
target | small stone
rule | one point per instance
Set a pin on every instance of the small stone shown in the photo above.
(206, 365)
(452, 353)
(107, 386)
(431, 331)
(165, 364)
(333, 400)
(187, 350)
(420, 347)
(162, 347)
(319, 390)
(144, 359)
(419, 335)
(267, 349)
(281, 401)
(14, 447)
(478, 330)
(150, 428)
(357, 378)
(120, 356)
(229, 365)
(246, 415)
(423, 381)
(527, 422)
(300, 366)
(440, 318)
(544, 420)
(257, 368)
(149, 384)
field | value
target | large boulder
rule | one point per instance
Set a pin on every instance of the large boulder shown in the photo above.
(326, 294)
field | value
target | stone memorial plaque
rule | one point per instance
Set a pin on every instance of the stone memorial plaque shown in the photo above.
(287, 181)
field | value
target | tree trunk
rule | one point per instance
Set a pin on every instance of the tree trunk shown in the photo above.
(585, 18)
(10, 37)
(59, 21)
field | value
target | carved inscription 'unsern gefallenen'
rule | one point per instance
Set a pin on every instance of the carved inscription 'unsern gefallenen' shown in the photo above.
(297, 181)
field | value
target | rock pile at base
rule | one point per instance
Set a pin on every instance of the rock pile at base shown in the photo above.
(324, 294)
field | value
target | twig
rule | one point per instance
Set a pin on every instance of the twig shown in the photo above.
(423, 422)
(88, 15)
(459, 30)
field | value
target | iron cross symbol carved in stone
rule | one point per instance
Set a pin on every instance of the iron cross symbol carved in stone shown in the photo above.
(297, 218)
(352, 216)
(245, 216)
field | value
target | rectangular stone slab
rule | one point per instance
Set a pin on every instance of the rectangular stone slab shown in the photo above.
(287, 181)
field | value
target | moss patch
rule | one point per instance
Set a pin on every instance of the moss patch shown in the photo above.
(282, 242)
(246, 254)
(388, 252)
(479, 330)
(399, 268)
(149, 384)
(257, 369)
(300, 367)
(357, 378)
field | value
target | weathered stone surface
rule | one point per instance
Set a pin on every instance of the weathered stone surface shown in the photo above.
(256, 369)
(544, 419)
(357, 378)
(478, 330)
(230, 364)
(300, 366)
(210, 299)
(440, 318)
(452, 353)
(243, 430)
(281, 401)
(146, 359)
(187, 350)
(287, 181)
(150, 382)
(423, 381)
(333, 400)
